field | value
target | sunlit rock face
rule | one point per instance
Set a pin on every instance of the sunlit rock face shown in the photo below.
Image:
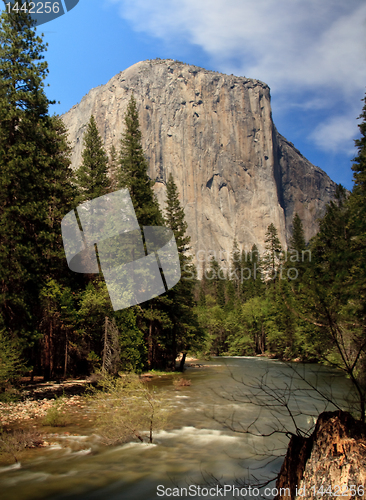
(235, 173)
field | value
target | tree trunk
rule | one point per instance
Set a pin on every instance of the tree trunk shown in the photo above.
(182, 361)
(105, 342)
(263, 340)
(66, 354)
(150, 345)
(48, 369)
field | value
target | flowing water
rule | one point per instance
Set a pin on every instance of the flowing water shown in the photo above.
(201, 444)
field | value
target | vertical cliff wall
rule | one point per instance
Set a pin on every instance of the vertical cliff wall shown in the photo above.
(235, 173)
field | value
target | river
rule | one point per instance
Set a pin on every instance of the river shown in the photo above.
(200, 445)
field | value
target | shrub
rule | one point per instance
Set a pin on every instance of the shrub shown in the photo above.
(13, 442)
(125, 408)
(181, 382)
(55, 416)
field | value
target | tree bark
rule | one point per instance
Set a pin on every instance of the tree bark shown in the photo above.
(182, 361)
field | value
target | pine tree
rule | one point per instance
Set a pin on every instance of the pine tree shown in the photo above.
(91, 177)
(217, 278)
(186, 333)
(273, 252)
(35, 183)
(236, 267)
(252, 279)
(359, 167)
(297, 240)
(152, 316)
(133, 171)
(297, 248)
(35, 188)
(357, 224)
(113, 168)
(175, 219)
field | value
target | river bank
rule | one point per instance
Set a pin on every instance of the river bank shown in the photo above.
(47, 412)
(195, 444)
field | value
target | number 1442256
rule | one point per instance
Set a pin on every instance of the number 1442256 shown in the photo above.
(34, 7)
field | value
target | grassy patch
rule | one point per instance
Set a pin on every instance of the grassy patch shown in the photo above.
(56, 415)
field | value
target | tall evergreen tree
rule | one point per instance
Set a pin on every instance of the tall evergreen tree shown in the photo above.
(297, 247)
(357, 225)
(297, 240)
(217, 278)
(359, 166)
(133, 171)
(152, 316)
(91, 177)
(175, 219)
(113, 168)
(236, 267)
(252, 279)
(35, 174)
(273, 252)
(186, 333)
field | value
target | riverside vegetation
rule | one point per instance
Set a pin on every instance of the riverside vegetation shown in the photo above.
(308, 303)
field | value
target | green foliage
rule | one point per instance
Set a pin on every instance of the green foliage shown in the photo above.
(126, 408)
(297, 240)
(249, 335)
(281, 326)
(113, 168)
(331, 294)
(357, 223)
(56, 415)
(133, 171)
(272, 255)
(152, 317)
(91, 177)
(239, 341)
(211, 319)
(235, 268)
(359, 166)
(133, 349)
(35, 181)
(216, 282)
(11, 365)
(94, 361)
(252, 284)
(185, 333)
(59, 315)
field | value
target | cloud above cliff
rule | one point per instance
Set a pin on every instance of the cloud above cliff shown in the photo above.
(309, 50)
(282, 42)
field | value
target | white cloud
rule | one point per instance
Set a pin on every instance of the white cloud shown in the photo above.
(300, 48)
(336, 135)
(282, 42)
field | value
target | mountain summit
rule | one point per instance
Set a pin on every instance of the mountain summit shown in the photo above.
(235, 173)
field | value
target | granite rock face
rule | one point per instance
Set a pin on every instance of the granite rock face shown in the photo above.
(235, 173)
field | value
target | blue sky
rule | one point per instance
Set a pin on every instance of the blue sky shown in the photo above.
(311, 53)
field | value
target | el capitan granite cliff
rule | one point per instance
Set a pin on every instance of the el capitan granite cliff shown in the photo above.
(235, 173)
